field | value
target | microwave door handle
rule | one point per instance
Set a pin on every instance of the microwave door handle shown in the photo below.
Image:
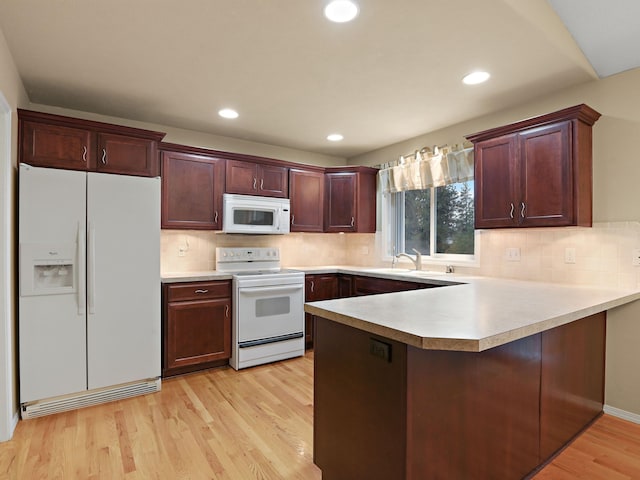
(279, 214)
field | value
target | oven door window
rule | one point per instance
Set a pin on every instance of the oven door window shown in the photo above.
(253, 217)
(268, 307)
(266, 312)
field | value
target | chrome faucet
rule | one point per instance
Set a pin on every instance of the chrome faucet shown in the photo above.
(418, 260)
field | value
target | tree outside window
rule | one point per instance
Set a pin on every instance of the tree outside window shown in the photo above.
(437, 221)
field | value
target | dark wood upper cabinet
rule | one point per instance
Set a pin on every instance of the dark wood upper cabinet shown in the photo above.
(350, 199)
(63, 142)
(192, 187)
(306, 191)
(250, 178)
(56, 146)
(127, 155)
(537, 172)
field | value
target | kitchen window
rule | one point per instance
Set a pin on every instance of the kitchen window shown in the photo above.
(436, 221)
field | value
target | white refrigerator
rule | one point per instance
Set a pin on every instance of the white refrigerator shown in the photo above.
(89, 315)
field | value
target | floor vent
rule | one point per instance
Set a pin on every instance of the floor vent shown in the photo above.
(87, 399)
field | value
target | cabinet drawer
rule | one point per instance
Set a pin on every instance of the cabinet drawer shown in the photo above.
(198, 291)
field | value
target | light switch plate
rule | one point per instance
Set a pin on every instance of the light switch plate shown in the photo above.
(569, 255)
(513, 254)
(635, 259)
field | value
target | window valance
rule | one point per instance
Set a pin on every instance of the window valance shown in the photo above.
(426, 169)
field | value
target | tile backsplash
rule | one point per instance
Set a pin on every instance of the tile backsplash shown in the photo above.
(597, 256)
(190, 250)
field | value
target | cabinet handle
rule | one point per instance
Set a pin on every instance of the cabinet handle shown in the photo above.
(522, 209)
(293, 217)
(511, 212)
(104, 156)
(353, 221)
(226, 311)
(84, 154)
(255, 182)
(202, 291)
(215, 219)
(312, 285)
(262, 184)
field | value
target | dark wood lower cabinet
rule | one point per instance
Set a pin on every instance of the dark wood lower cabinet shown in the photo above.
(196, 326)
(317, 287)
(573, 360)
(385, 410)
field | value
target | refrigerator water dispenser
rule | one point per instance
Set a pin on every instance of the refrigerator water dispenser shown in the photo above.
(47, 269)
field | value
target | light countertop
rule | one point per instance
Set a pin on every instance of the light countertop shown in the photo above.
(200, 276)
(466, 313)
(473, 315)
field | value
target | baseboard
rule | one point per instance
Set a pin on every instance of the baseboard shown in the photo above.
(89, 398)
(14, 423)
(616, 412)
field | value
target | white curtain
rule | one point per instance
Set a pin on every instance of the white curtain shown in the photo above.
(426, 169)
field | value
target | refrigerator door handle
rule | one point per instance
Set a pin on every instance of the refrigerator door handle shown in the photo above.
(91, 269)
(80, 265)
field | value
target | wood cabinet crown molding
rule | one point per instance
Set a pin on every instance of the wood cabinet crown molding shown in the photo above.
(91, 125)
(581, 112)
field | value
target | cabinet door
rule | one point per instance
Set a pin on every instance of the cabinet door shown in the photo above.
(345, 286)
(546, 185)
(340, 210)
(241, 177)
(373, 286)
(306, 190)
(273, 181)
(197, 332)
(55, 146)
(496, 182)
(127, 155)
(318, 287)
(192, 187)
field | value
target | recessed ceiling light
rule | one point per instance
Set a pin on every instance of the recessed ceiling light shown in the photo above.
(335, 137)
(228, 113)
(341, 11)
(476, 77)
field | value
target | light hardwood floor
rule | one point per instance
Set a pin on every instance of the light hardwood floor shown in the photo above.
(223, 424)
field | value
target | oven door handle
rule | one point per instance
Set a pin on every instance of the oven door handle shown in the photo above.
(265, 341)
(262, 290)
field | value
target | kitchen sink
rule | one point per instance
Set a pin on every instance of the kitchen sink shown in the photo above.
(424, 273)
(402, 271)
(407, 271)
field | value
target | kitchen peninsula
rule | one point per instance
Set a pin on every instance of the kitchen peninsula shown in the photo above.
(483, 379)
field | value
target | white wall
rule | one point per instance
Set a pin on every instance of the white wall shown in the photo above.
(7, 422)
(13, 95)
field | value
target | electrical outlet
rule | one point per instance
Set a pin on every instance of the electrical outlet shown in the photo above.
(569, 255)
(635, 259)
(182, 251)
(513, 254)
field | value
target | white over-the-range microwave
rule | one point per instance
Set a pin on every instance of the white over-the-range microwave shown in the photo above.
(253, 214)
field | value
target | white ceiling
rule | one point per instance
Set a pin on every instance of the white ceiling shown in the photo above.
(608, 32)
(392, 74)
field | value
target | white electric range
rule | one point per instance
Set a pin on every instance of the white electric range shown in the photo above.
(268, 306)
